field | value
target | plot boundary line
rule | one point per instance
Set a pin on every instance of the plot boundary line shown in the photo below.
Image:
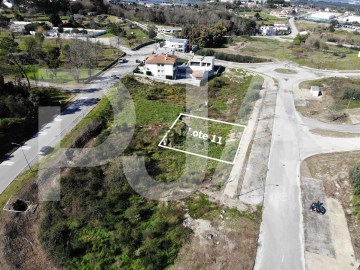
(198, 155)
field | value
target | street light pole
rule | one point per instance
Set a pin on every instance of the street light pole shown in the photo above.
(22, 150)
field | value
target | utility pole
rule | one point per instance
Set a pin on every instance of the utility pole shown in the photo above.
(22, 150)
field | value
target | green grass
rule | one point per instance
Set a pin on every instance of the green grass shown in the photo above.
(216, 143)
(106, 35)
(62, 76)
(266, 18)
(336, 87)
(18, 184)
(201, 207)
(101, 110)
(335, 58)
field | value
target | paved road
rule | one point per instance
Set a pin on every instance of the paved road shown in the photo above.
(281, 241)
(52, 133)
(281, 238)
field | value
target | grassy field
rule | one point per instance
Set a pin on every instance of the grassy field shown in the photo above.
(265, 18)
(322, 30)
(153, 230)
(336, 88)
(205, 137)
(335, 58)
(65, 73)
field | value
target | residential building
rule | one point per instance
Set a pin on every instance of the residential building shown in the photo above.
(267, 30)
(201, 66)
(179, 44)
(162, 66)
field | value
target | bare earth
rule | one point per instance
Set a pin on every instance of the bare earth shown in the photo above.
(221, 244)
(20, 248)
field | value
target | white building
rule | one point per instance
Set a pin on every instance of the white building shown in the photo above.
(322, 16)
(281, 27)
(201, 66)
(161, 65)
(315, 91)
(179, 44)
(168, 29)
(267, 30)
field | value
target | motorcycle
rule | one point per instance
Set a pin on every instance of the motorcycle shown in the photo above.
(318, 207)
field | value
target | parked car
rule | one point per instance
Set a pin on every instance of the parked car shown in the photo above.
(122, 60)
(115, 76)
(45, 150)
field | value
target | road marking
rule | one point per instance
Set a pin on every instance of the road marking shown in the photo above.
(84, 98)
(58, 119)
(282, 258)
(25, 147)
(42, 133)
(8, 163)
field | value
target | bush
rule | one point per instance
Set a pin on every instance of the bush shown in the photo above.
(230, 57)
(355, 178)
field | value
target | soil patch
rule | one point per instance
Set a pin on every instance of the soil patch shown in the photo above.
(219, 244)
(20, 248)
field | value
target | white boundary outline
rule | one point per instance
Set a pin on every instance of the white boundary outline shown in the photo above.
(198, 155)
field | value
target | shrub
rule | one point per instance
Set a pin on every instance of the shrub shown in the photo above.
(230, 57)
(355, 178)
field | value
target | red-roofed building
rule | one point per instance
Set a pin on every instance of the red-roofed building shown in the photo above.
(162, 66)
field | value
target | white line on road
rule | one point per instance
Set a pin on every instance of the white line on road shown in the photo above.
(42, 133)
(7, 163)
(25, 147)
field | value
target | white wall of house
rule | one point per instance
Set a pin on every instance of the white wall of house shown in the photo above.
(161, 70)
(179, 45)
(202, 63)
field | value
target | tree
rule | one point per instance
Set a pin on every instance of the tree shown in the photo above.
(152, 32)
(55, 20)
(8, 49)
(52, 60)
(257, 16)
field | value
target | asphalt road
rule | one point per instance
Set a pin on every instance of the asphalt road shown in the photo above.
(53, 132)
(281, 241)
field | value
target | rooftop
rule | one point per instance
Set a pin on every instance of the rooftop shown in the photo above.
(177, 40)
(207, 59)
(162, 59)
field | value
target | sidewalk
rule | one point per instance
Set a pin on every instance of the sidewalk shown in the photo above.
(263, 131)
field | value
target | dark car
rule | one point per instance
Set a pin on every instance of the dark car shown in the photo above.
(115, 77)
(45, 150)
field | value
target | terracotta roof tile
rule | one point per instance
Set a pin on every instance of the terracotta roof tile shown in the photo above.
(161, 59)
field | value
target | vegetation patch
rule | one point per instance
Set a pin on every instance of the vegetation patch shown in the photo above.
(285, 71)
(230, 57)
